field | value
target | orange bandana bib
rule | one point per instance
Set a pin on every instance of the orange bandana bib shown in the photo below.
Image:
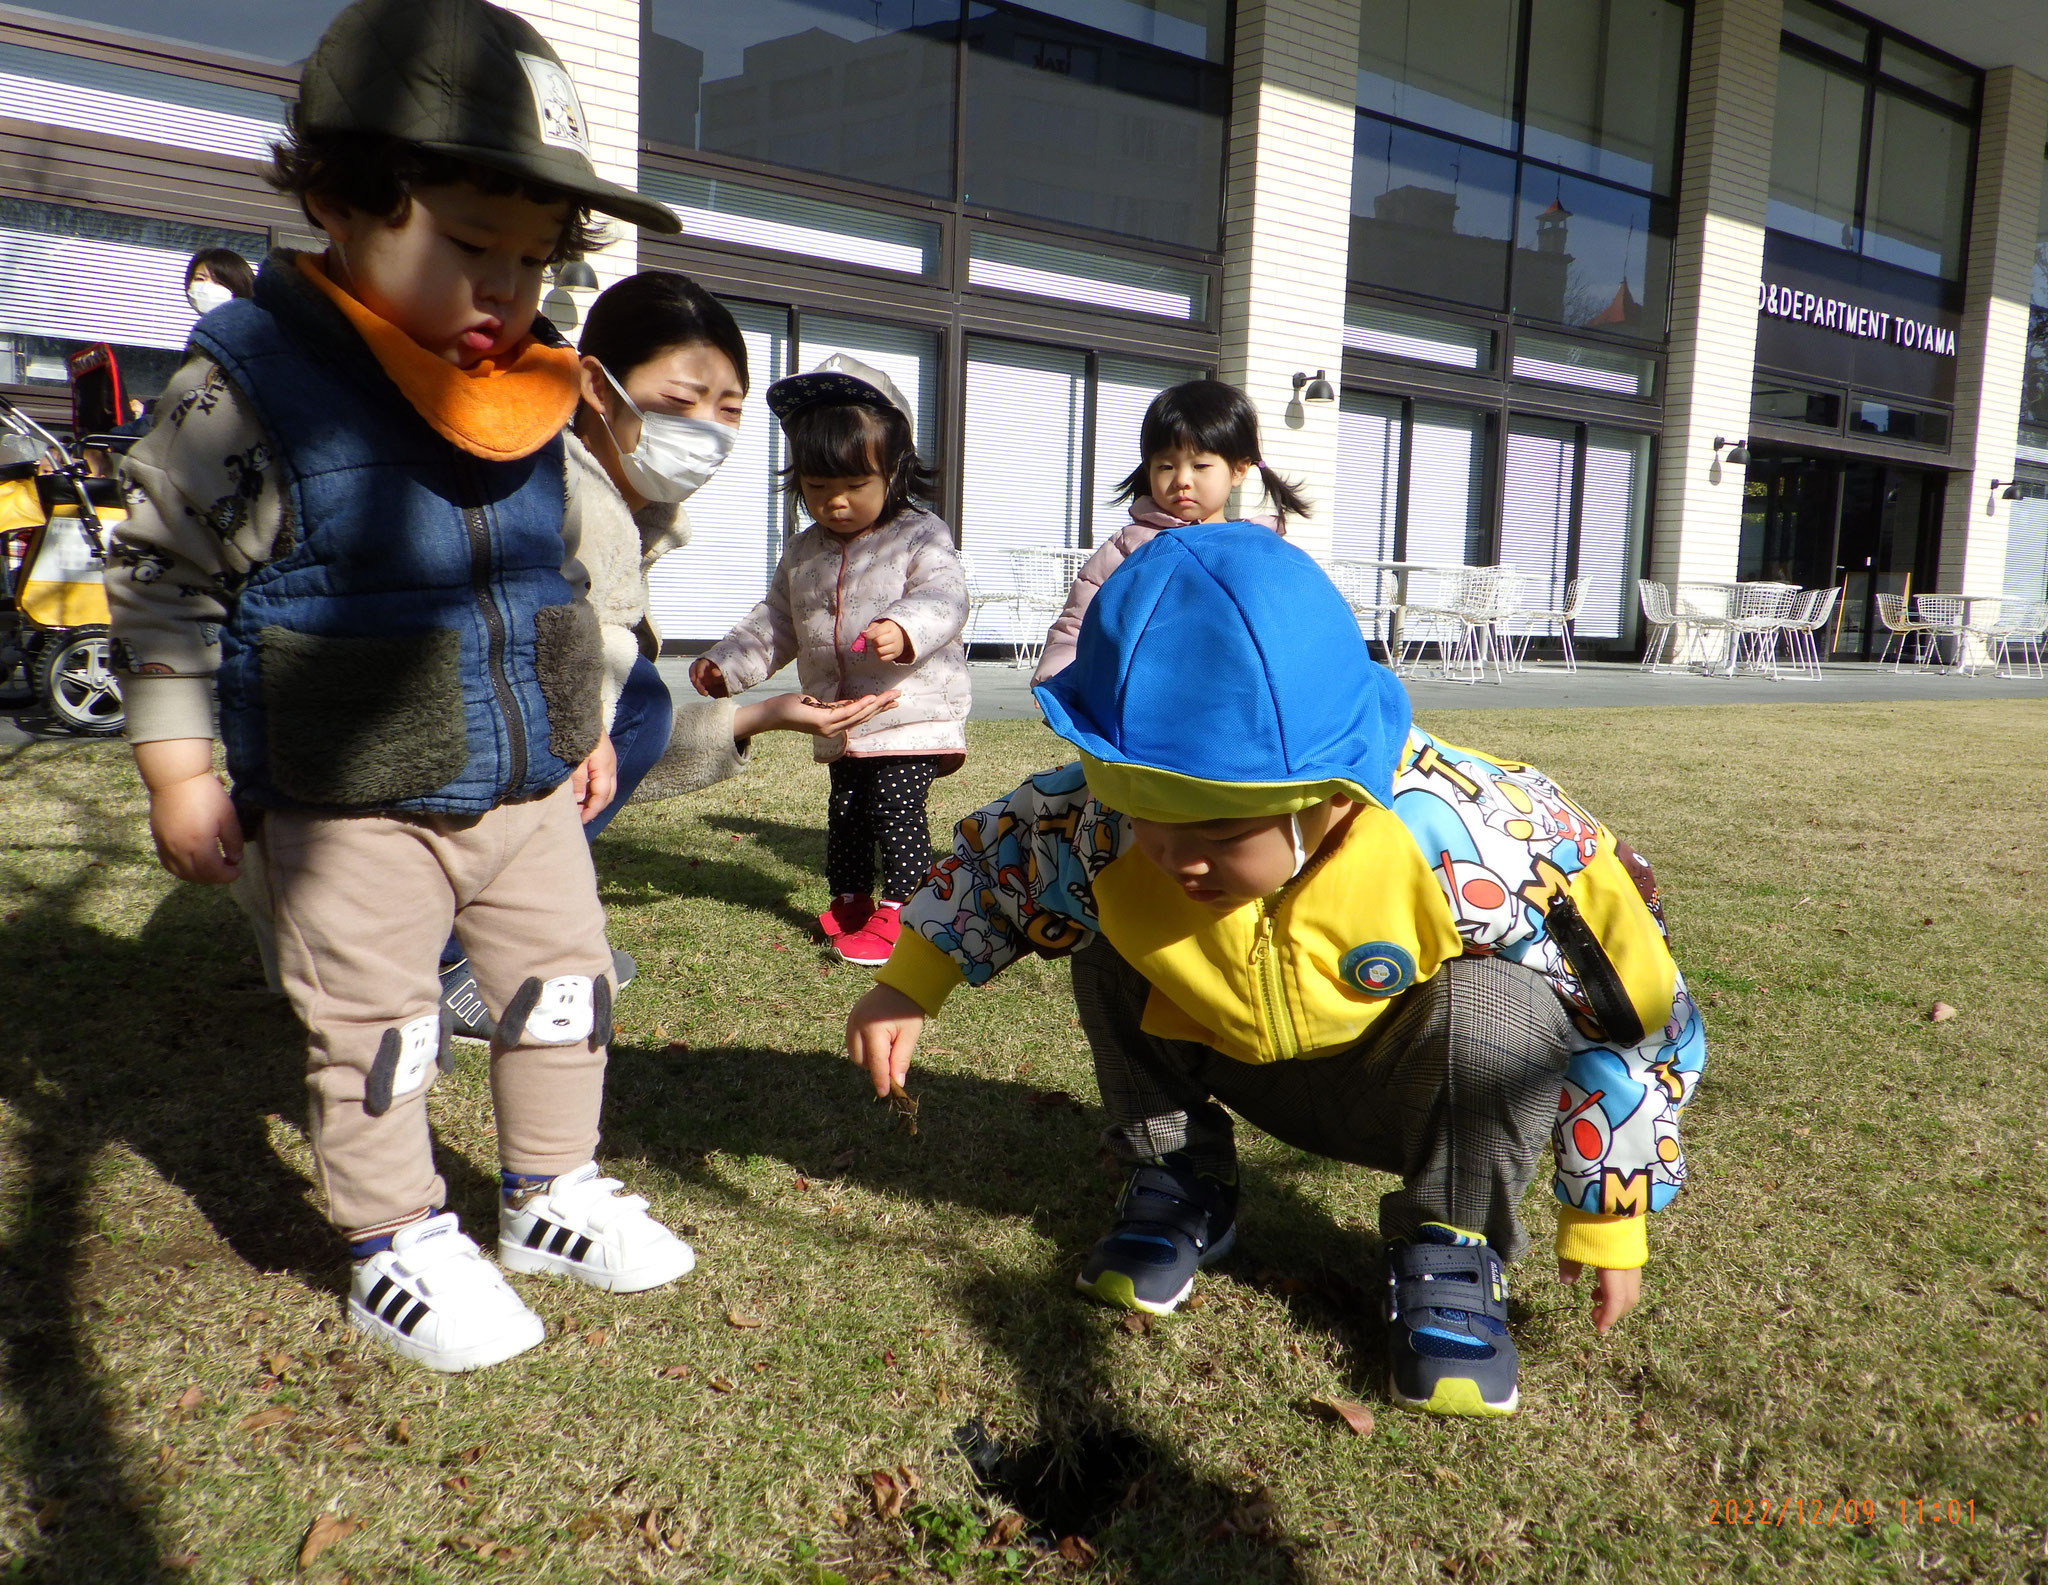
(500, 411)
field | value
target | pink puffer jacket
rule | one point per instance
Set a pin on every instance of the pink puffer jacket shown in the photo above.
(1147, 522)
(825, 591)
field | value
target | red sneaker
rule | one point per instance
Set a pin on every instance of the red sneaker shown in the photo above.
(847, 914)
(871, 945)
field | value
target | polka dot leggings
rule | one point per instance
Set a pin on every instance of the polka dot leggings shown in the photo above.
(879, 801)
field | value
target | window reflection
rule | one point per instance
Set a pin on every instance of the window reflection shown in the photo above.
(1091, 126)
(1815, 152)
(1604, 79)
(1591, 255)
(856, 88)
(1451, 67)
(280, 31)
(1429, 215)
(1919, 178)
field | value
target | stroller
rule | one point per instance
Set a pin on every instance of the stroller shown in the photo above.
(55, 654)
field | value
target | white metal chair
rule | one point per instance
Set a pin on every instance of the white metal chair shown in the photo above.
(1663, 623)
(1708, 610)
(1978, 636)
(1041, 578)
(984, 598)
(1811, 615)
(1760, 614)
(2024, 633)
(1457, 617)
(1521, 625)
(1900, 628)
(1940, 617)
(1369, 591)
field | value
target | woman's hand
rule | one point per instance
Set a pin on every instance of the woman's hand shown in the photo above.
(887, 640)
(792, 712)
(707, 679)
(881, 1035)
(596, 781)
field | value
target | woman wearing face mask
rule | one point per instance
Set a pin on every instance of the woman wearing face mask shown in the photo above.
(214, 275)
(664, 382)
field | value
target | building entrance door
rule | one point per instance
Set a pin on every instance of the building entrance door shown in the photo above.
(1815, 519)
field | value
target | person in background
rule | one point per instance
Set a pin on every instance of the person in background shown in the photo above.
(664, 384)
(217, 275)
(871, 597)
(1196, 444)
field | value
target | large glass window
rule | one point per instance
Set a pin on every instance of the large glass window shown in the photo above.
(856, 88)
(278, 31)
(1574, 506)
(1412, 482)
(1863, 164)
(1580, 223)
(2034, 401)
(100, 96)
(2026, 550)
(70, 277)
(1100, 113)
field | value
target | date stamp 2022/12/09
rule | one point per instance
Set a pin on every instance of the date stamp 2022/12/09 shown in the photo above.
(1841, 1510)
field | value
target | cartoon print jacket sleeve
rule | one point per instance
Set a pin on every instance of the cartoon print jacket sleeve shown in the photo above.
(1019, 879)
(1509, 846)
(204, 512)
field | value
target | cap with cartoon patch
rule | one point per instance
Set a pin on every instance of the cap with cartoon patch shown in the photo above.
(840, 378)
(469, 80)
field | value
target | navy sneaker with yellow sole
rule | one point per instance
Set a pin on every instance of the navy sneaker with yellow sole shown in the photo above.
(1447, 1325)
(1170, 1222)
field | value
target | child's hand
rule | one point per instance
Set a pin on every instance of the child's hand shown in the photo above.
(886, 639)
(191, 816)
(1615, 1291)
(707, 679)
(791, 712)
(881, 1034)
(596, 781)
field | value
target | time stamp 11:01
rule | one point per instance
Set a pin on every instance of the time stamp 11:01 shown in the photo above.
(1839, 1510)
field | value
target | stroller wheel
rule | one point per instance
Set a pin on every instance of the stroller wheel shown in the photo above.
(75, 677)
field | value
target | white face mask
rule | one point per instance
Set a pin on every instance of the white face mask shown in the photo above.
(676, 456)
(206, 296)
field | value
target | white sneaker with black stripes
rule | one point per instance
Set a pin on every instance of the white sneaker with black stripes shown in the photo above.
(580, 1226)
(434, 1298)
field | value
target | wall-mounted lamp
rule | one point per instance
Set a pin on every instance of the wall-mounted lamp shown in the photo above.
(1738, 451)
(2011, 491)
(576, 275)
(1316, 389)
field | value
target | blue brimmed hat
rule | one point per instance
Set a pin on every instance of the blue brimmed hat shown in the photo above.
(1219, 674)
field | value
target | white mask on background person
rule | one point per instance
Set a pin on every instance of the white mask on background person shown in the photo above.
(206, 296)
(676, 456)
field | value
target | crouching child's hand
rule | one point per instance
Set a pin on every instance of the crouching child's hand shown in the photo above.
(596, 781)
(1615, 1292)
(881, 1035)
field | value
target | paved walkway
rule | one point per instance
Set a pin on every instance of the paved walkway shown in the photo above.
(1002, 692)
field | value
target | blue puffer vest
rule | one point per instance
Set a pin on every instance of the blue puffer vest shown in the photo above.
(413, 645)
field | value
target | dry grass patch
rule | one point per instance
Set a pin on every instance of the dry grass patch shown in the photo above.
(1847, 1305)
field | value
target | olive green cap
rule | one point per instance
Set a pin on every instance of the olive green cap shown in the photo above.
(469, 80)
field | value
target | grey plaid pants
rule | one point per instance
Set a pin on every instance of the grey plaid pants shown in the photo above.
(1453, 1090)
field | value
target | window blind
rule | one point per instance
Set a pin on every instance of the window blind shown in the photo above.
(1447, 487)
(157, 107)
(1610, 529)
(1020, 482)
(1535, 517)
(1362, 516)
(700, 591)
(2026, 551)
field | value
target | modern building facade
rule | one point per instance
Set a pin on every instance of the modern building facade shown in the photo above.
(1560, 259)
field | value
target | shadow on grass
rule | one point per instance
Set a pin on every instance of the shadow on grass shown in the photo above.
(738, 880)
(994, 1146)
(168, 1045)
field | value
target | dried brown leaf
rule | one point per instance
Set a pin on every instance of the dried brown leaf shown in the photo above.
(280, 1364)
(743, 1323)
(1075, 1549)
(1355, 1415)
(470, 1455)
(597, 1338)
(842, 1162)
(1005, 1531)
(674, 1372)
(457, 1484)
(1137, 1323)
(1940, 1013)
(1051, 1101)
(323, 1533)
(887, 1494)
(586, 1526)
(181, 1561)
(263, 1419)
(720, 1384)
(188, 1400)
(401, 1430)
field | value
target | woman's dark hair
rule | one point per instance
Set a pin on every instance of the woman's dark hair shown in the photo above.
(840, 440)
(648, 314)
(377, 175)
(1206, 415)
(227, 268)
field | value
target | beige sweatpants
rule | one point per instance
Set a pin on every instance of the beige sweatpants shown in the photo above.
(361, 907)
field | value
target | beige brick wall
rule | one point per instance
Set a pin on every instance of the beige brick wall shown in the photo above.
(1991, 347)
(1287, 229)
(1717, 261)
(599, 41)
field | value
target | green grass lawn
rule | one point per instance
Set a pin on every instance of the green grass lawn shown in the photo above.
(1846, 1310)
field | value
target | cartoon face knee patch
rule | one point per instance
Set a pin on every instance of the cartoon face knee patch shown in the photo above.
(404, 1056)
(554, 1012)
